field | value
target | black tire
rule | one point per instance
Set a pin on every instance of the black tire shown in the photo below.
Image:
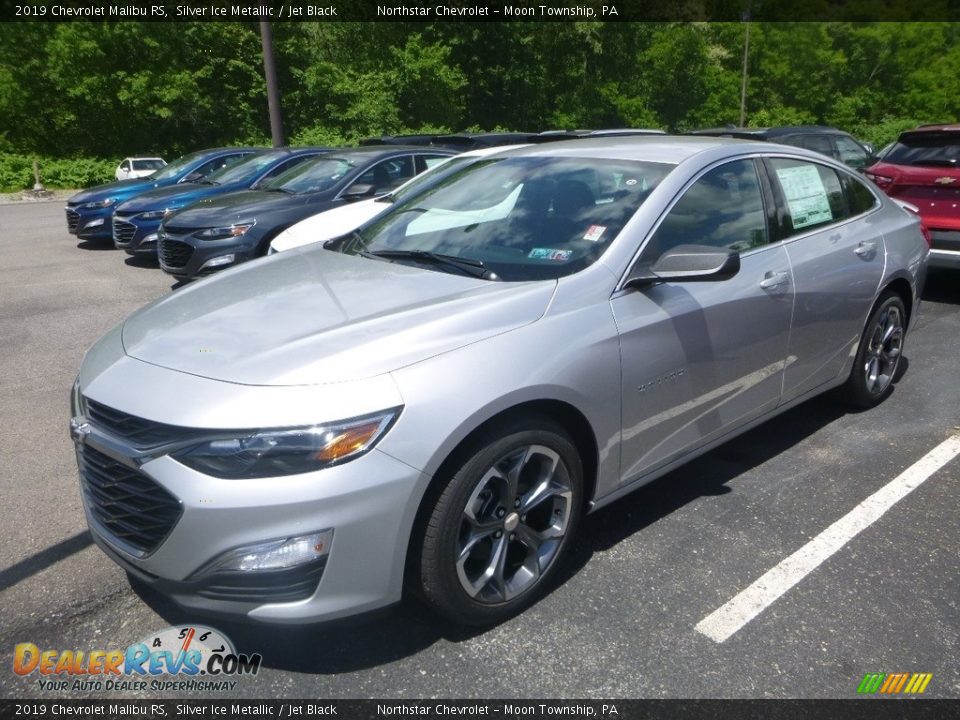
(470, 511)
(878, 356)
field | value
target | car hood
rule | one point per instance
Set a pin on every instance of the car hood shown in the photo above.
(238, 207)
(120, 188)
(329, 224)
(314, 316)
(164, 197)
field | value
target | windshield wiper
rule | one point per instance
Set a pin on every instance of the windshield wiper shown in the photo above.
(279, 189)
(208, 182)
(473, 268)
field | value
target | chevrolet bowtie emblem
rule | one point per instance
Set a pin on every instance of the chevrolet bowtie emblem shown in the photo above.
(945, 180)
(79, 431)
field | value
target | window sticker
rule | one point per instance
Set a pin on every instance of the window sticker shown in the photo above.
(594, 233)
(550, 254)
(806, 195)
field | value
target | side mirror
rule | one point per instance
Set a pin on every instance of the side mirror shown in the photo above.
(358, 191)
(687, 263)
(193, 177)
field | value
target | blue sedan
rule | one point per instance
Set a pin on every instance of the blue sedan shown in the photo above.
(90, 211)
(136, 221)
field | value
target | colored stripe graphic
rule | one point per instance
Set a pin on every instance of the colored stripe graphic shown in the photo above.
(894, 683)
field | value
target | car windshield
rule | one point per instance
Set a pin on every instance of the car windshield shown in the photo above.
(936, 149)
(177, 166)
(522, 218)
(311, 176)
(245, 169)
(147, 164)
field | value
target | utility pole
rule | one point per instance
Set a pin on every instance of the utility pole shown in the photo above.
(745, 16)
(273, 93)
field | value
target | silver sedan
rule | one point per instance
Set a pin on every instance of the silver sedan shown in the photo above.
(435, 400)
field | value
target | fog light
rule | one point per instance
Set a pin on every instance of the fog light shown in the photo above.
(218, 261)
(149, 239)
(273, 555)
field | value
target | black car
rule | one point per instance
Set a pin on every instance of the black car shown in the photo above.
(820, 138)
(229, 229)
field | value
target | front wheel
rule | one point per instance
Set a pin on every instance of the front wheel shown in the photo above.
(500, 527)
(879, 354)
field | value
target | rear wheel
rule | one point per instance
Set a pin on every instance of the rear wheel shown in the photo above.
(500, 527)
(879, 354)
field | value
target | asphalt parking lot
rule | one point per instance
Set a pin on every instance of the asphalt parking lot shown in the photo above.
(646, 572)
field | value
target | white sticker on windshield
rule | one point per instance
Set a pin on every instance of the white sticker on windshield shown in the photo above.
(550, 254)
(594, 232)
(806, 195)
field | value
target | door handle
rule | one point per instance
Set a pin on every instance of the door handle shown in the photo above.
(865, 248)
(774, 279)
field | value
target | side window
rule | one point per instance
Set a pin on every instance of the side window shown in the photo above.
(386, 175)
(428, 161)
(812, 194)
(817, 143)
(851, 152)
(724, 208)
(219, 163)
(859, 197)
(283, 167)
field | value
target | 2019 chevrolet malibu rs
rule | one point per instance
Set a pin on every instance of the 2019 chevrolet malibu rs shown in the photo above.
(434, 400)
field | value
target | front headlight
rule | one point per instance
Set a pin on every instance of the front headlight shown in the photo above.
(107, 202)
(219, 233)
(269, 453)
(154, 214)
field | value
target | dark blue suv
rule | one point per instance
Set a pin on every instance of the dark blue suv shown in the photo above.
(89, 212)
(136, 221)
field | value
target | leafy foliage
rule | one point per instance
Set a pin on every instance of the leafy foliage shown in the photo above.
(16, 172)
(113, 89)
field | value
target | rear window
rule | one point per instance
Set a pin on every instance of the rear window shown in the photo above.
(154, 164)
(933, 149)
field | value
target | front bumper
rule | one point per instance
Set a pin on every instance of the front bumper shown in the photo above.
(135, 235)
(89, 224)
(362, 501)
(185, 256)
(369, 503)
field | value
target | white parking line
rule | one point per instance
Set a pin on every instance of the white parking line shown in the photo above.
(746, 605)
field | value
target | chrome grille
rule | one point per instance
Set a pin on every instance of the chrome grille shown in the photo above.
(127, 503)
(73, 219)
(123, 231)
(175, 254)
(138, 431)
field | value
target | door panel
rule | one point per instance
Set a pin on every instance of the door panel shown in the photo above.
(837, 265)
(701, 358)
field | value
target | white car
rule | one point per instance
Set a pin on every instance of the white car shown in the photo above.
(135, 167)
(341, 220)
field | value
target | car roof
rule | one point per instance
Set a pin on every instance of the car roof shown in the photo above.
(933, 127)
(143, 157)
(768, 132)
(382, 151)
(672, 149)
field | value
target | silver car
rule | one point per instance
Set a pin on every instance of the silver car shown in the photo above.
(434, 401)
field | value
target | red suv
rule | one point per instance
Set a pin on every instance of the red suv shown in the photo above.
(923, 169)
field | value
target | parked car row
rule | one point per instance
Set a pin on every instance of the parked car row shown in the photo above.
(429, 402)
(259, 192)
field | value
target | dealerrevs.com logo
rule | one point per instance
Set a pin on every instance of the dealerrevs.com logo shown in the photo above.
(192, 658)
(894, 683)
